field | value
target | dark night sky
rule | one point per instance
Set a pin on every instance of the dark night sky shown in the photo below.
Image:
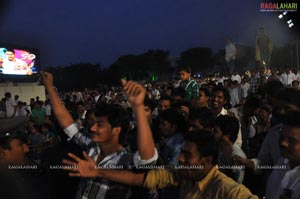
(99, 31)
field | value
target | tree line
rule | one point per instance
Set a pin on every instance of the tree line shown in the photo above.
(157, 64)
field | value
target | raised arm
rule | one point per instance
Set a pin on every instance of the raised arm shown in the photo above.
(87, 168)
(136, 95)
(61, 113)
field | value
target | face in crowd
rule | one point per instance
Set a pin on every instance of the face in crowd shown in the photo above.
(184, 75)
(10, 55)
(13, 151)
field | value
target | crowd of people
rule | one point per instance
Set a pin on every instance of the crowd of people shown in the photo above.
(235, 136)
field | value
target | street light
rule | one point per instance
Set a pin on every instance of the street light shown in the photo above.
(291, 25)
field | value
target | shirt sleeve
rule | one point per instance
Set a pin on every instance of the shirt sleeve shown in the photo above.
(240, 192)
(73, 133)
(159, 178)
(139, 161)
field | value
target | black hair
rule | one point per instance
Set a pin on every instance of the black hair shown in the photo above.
(80, 103)
(149, 103)
(205, 142)
(179, 91)
(205, 116)
(289, 96)
(185, 69)
(174, 118)
(224, 91)
(165, 97)
(229, 125)
(116, 115)
(292, 118)
(10, 50)
(7, 94)
(6, 138)
(205, 91)
(272, 87)
(47, 126)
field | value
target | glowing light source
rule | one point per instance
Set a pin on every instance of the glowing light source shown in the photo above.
(280, 16)
(291, 25)
(289, 21)
(285, 12)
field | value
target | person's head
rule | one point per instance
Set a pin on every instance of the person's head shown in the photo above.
(45, 127)
(227, 83)
(171, 122)
(164, 103)
(183, 107)
(287, 99)
(38, 104)
(295, 84)
(90, 118)
(34, 129)
(7, 95)
(203, 99)
(226, 126)
(111, 124)
(80, 107)
(10, 55)
(199, 149)
(12, 149)
(178, 94)
(185, 73)
(271, 89)
(290, 137)
(169, 90)
(220, 97)
(264, 112)
(201, 118)
(149, 108)
(252, 106)
(16, 97)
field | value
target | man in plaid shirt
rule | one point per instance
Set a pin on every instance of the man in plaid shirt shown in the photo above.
(104, 147)
(190, 86)
(254, 82)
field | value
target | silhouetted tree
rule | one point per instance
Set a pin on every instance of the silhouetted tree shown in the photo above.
(199, 59)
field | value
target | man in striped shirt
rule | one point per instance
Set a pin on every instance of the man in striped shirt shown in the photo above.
(105, 146)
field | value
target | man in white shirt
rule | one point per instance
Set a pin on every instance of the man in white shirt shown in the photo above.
(290, 77)
(11, 106)
(13, 65)
(284, 78)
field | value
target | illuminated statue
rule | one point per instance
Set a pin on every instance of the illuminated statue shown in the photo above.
(263, 48)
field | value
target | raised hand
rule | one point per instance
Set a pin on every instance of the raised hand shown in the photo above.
(81, 167)
(47, 78)
(135, 91)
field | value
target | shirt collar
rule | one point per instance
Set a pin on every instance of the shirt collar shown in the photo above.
(208, 178)
(223, 112)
